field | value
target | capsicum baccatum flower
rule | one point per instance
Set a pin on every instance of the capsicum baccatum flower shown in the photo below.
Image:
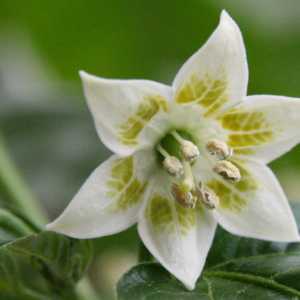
(187, 156)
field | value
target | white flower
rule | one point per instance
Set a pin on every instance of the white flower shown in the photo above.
(144, 122)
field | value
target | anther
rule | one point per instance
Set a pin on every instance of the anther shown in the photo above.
(226, 169)
(173, 166)
(189, 151)
(186, 200)
(219, 149)
(206, 196)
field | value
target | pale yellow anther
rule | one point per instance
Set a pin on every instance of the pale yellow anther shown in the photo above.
(226, 169)
(206, 196)
(173, 166)
(189, 151)
(218, 148)
(186, 200)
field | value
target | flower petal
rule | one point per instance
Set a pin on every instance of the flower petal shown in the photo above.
(179, 238)
(256, 206)
(128, 114)
(215, 78)
(262, 128)
(110, 199)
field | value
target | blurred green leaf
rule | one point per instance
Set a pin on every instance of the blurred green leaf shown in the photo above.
(227, 246)
(236, 268)
(42, 266)
(12, 227)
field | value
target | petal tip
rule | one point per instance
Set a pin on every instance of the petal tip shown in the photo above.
(189, 286)
(50, 227)
(227, 19)
(225, 14)
(84, 75)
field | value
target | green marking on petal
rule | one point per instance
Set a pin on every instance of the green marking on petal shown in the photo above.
(217, 105)
(123, 185)
(208, 94)
(228, 199)
(215, 92)
(160, 213)
(236, 120)
(162, 217)
(250, 139)
(186, 218)
(239, 120)
(243, 151)
(134, 125)
(192, 90)
(247, 182)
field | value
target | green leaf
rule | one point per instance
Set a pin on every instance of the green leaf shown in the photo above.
(12, 227)
(227, 246)
(42, 266)
(236, 268)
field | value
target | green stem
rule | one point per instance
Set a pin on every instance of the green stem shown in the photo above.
(15, 191)
(86, 291)
(144, 254)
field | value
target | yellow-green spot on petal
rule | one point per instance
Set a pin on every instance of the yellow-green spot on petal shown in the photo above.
(228, 199)
(247, 182)
(207, 93)
(217, 105)
(160, 213)
(215, 92)
(123, 185)
(250, 139)
(243, 151)
(192, 90)
(243, 121)
(130, 130)
(186, 218)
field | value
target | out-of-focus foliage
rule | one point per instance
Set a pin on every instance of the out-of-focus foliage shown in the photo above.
(42, 108)
(42, 266)
(236, 268)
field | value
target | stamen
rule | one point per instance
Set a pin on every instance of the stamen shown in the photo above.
(219, 149)
(173, 166)
(189, 151)
(206, 196)
(228, 170)
(186, 200)
(188, 182)
(177, 136)
(162, 150)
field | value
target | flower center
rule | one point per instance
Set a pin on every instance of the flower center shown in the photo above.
(171, 144)
(178, 153)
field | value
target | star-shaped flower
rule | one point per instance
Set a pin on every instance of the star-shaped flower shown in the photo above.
(187, 156)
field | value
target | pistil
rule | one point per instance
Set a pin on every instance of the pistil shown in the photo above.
(188, 182)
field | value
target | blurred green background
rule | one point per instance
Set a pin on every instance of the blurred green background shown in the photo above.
(43, 45)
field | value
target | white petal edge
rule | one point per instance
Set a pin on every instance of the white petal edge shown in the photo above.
(267, 214)
(223, 50)
(182, 256)
(92, 213)
(112, 102)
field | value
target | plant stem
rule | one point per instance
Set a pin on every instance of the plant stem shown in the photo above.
(86, 291)
(15, 191)
(144, 254)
